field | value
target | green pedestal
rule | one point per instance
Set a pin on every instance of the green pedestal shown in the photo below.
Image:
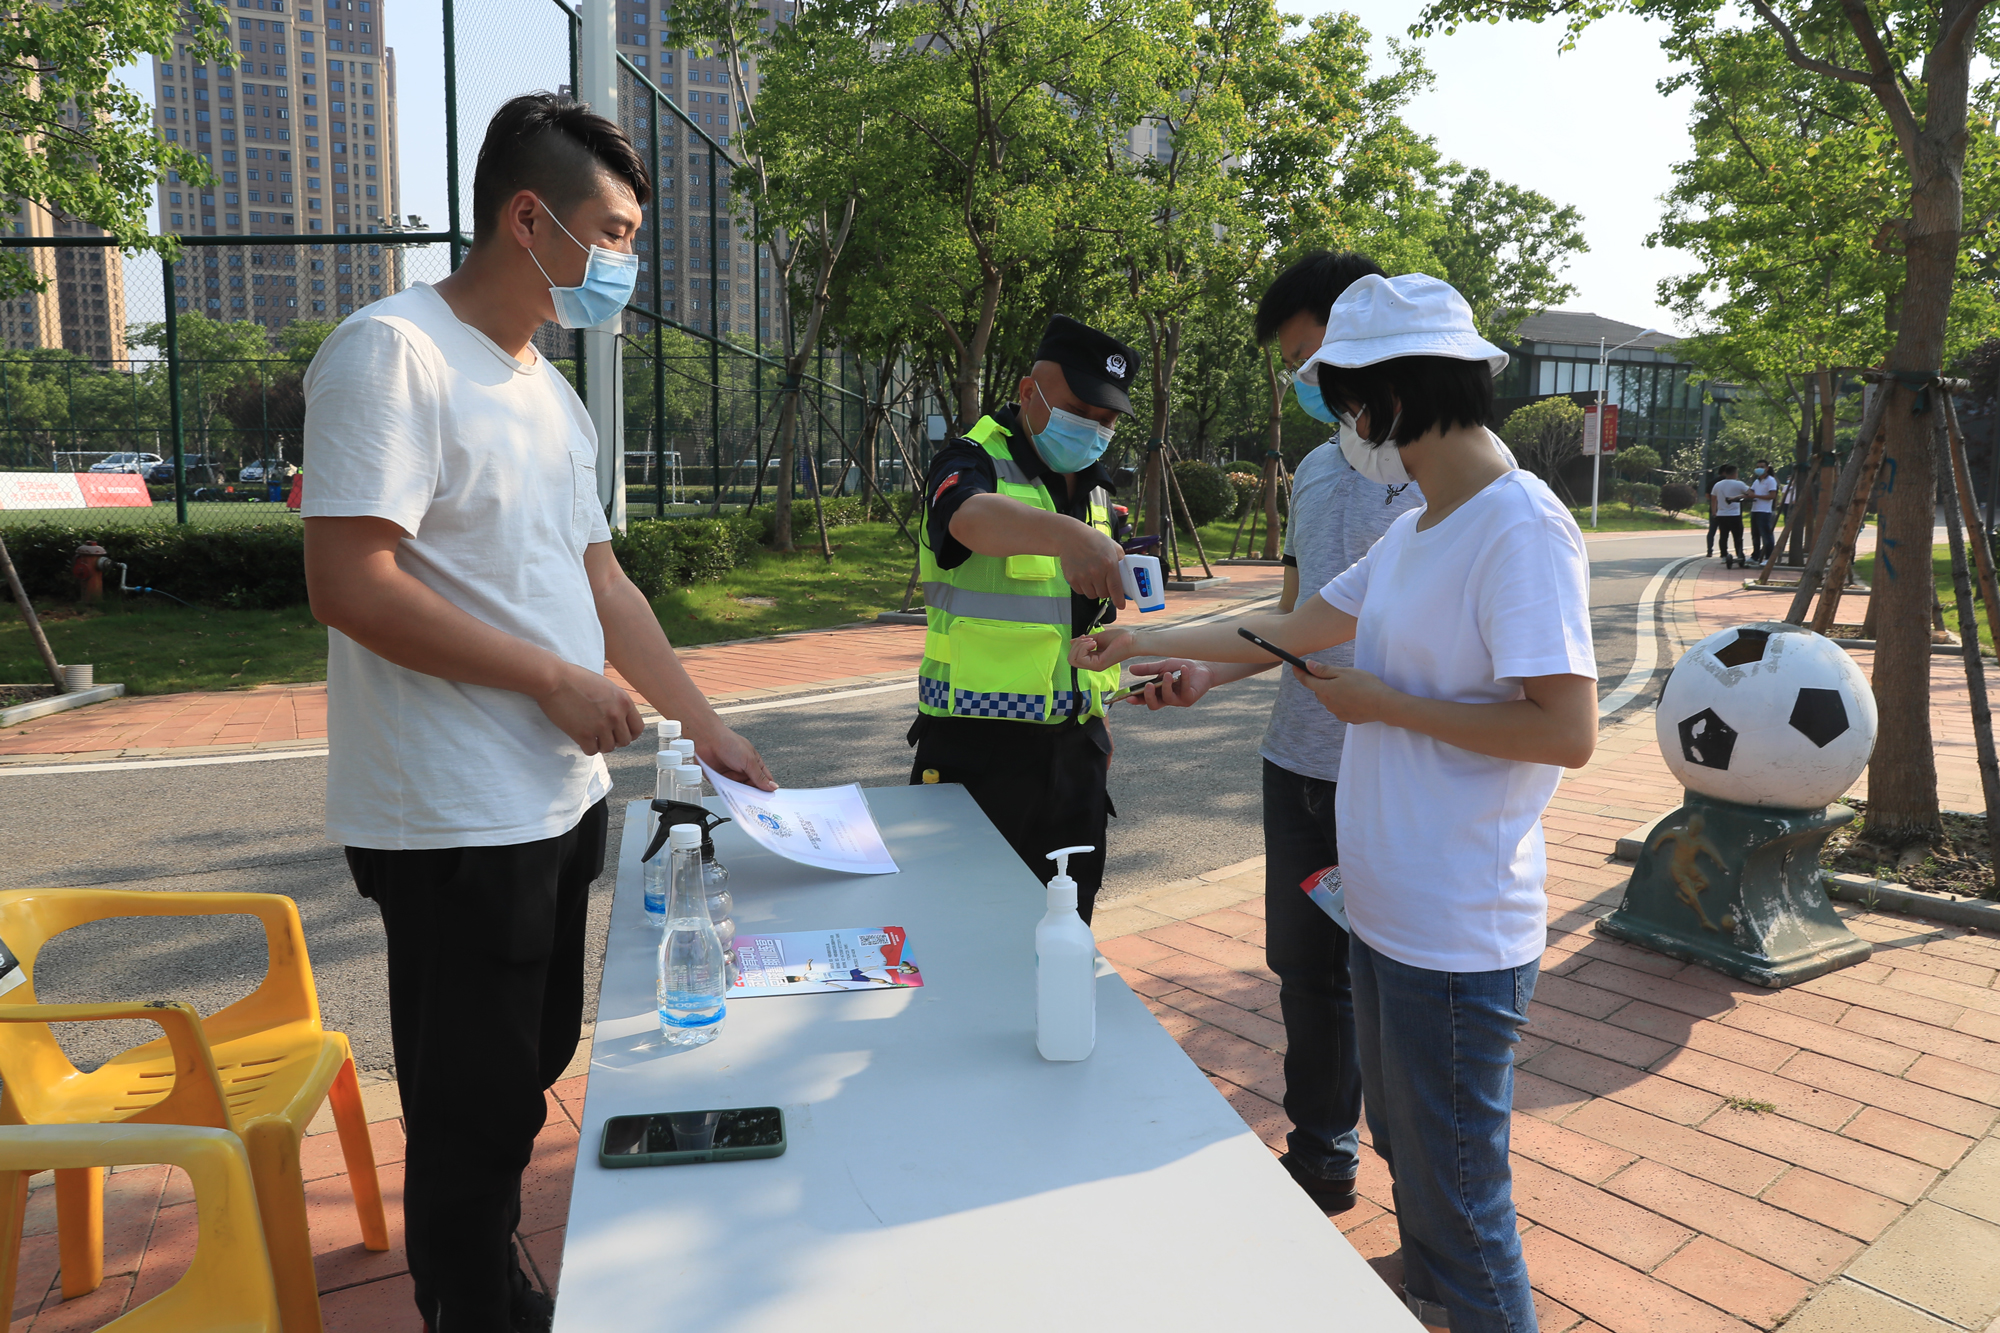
(1737, 888)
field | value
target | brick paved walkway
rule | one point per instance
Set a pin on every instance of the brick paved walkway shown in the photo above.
(1691, 1154)
(277, 717)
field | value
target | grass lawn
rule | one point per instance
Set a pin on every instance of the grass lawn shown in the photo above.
(1864, 569)
(217, 514)
(156, 647)
(1627, 518)
(775, 594)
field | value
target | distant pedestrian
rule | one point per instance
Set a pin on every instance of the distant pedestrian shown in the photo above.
(1763, 519)
(1725, 506)
(1707, 496)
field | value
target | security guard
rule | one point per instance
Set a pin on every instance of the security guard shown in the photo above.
(1018, 556)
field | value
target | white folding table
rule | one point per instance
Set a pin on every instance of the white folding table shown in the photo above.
(939, 1174)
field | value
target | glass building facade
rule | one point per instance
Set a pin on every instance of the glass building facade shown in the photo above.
(1557, 353)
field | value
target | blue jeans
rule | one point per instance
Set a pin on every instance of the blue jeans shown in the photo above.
(1309, 954)
(1437, 1074)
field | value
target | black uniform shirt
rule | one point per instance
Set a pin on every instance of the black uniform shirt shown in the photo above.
(962, 470)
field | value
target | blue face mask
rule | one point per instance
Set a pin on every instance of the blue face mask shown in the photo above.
(1312, 402)
(608, 279)
(1069, 443)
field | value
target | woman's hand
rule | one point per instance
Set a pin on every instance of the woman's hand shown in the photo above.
(1196, 679)
(1103, 649)
(1350, 694)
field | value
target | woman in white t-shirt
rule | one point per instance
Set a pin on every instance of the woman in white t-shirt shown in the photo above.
(1473, 687)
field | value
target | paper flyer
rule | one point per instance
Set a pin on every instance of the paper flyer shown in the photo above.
(827, 827)
(809, 961)
(1326, 890)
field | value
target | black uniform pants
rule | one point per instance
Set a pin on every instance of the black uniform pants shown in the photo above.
(1042, 785)
(1730, 526)
(485, 1008)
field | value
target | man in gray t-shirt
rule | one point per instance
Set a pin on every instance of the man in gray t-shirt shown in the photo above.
(1336, 515)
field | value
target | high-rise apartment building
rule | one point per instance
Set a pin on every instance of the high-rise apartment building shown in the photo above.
(82, 310)
(693, 188)
(301, 133)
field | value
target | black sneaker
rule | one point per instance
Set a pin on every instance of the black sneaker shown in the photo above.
(1333, 1194)
(531, 1309)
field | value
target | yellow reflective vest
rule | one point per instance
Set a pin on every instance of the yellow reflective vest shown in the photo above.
(997, 638)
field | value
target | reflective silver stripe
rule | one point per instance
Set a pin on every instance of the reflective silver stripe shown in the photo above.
(1021, 607)
(1011, 472)
(1100, 498)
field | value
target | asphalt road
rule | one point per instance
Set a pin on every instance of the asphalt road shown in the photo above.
(1186, 784)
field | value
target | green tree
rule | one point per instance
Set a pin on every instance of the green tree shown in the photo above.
(1502, 246)
(223, 362)
(1913, 58)
(802, 153)
(78, 142)
(1545, 435)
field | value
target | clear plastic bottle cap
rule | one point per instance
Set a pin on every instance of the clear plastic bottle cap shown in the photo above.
(688, 775)
(684, 838)
(669, 730)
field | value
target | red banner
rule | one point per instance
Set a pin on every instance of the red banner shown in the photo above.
(113, 490)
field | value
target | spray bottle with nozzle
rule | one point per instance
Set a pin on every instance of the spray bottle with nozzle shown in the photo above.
(714, 877)
(1065, 971)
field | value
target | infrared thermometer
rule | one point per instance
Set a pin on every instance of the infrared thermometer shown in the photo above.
(1141, 576)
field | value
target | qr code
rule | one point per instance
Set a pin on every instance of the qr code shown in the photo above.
(873, 941)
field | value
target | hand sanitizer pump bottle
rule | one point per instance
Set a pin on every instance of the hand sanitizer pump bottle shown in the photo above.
(1065, 971)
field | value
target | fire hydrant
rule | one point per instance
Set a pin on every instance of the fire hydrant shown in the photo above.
(87, 567)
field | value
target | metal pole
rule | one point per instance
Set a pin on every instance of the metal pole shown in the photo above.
(659, 332)
(714, 349)
(1597, 454)
(597, 72)
(451, 132)
(174, 395)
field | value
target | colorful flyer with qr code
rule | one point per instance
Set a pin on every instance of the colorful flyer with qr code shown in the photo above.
(807, 962)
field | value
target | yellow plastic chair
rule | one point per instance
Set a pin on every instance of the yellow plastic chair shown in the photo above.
(227, 1288)
(261, 1067)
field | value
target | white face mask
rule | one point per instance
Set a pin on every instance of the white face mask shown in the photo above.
(1377, 462)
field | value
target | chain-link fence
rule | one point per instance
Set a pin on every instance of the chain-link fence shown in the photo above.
(200, 406)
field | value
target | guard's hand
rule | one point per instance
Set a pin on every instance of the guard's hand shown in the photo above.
(1090, 563)
(733, 757)
(591, 710)
(1196, 680)
(1100, 650)
(1350, 694)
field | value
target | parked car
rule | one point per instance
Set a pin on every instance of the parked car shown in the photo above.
(201, 471)
(139, 463)
(268, 469)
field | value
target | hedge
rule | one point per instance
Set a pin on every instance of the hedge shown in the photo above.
(265, 567)
(662, 554)
(1205, 494)
(253, 567)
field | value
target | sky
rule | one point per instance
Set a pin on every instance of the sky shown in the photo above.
(1587, 128)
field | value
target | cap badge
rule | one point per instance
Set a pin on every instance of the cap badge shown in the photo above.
(1115, 364)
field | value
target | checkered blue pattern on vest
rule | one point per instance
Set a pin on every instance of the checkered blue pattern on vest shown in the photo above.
(933, 693)
(1068, 701)
(1022, 707)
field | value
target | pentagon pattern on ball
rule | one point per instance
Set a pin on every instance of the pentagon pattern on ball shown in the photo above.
(1766, 714)
(1707, 740)
(1819, 716)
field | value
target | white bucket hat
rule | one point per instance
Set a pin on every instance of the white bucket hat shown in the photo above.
(1379, 319)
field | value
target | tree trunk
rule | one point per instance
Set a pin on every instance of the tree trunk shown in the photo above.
(1272, 454)
(788, 428)
(1902, 777)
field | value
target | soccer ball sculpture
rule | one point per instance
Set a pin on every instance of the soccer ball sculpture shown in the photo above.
(1765, 725)
(1768, 714)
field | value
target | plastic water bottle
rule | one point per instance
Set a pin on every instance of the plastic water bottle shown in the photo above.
(715, 876)
(666, 764)
(669, 731)
(683, 747)
(694, 975)
(1065, 971)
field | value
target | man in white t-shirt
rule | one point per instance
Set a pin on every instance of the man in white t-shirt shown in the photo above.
(458, 554)
(1763, 519)
(1725, 502)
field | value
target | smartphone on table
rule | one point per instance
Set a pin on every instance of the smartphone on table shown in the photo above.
(679, 1138)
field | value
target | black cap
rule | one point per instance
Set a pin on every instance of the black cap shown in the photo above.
(1097, 366)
